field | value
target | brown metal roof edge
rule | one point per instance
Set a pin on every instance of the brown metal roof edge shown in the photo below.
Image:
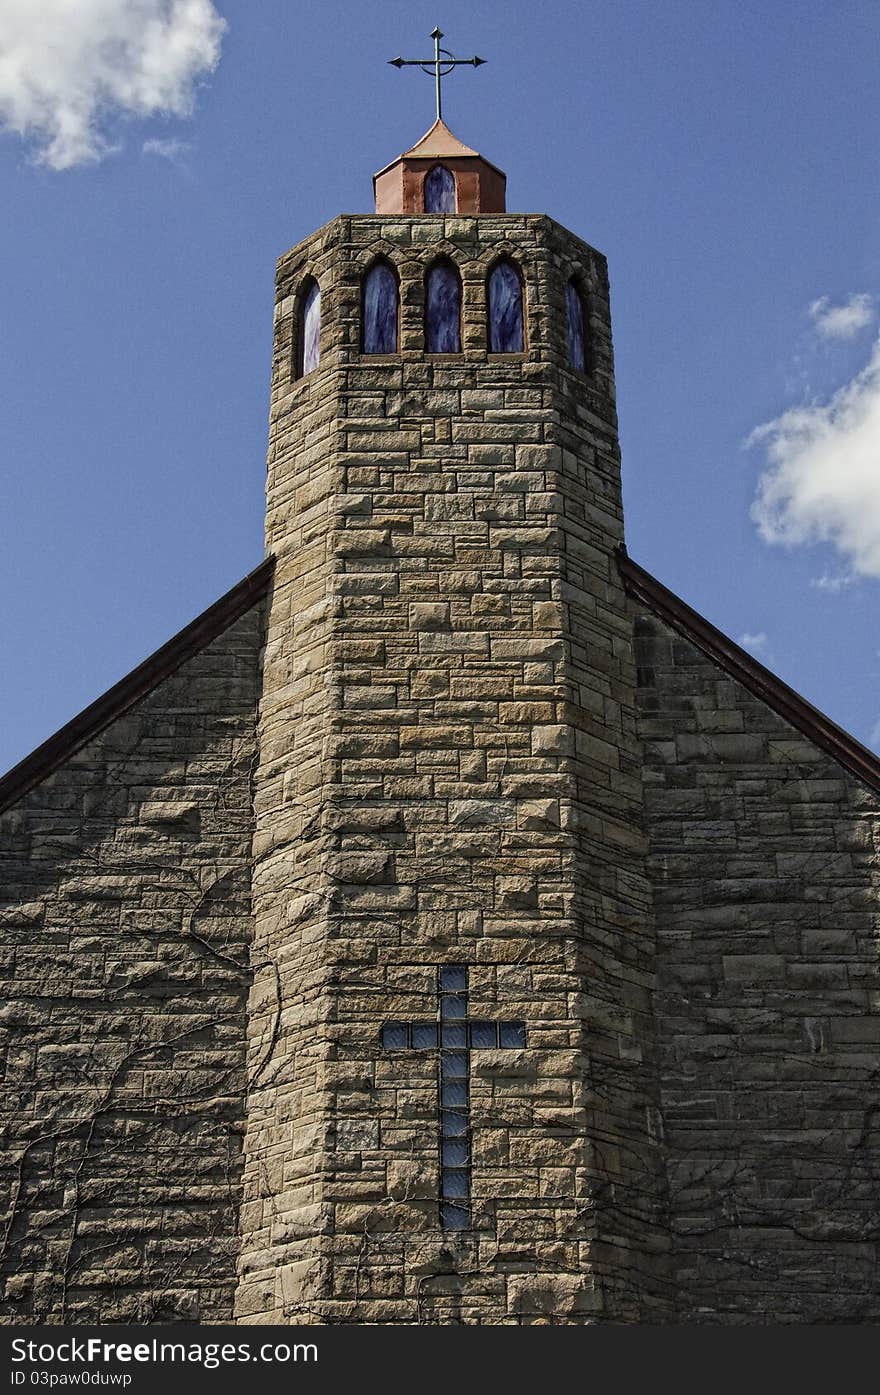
(135, 685)
(641, 586)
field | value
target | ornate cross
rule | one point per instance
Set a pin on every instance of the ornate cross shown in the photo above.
(440, 65)
(454, 1035)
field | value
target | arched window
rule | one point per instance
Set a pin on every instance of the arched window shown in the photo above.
(505, 309)
(380, 301)
(577, 339)
(443, 309)
(309, 327)
(439, 190)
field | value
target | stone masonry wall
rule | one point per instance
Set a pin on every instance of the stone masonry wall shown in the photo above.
(124, 938)
(448, 775)
(764, 861)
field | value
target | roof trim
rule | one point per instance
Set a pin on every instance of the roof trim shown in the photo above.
(123, 695)
(641, 586)
(439, 143)
(439, 140)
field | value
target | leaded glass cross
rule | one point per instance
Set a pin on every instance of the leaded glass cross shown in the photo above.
(453, 1034)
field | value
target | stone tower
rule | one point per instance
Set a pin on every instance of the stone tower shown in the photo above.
(451, 1111)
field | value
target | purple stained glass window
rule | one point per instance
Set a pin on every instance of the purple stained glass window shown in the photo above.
(576, 340)
(505, 310)
(380, 310)
(443, 310)
(311, 328)
(439, 190)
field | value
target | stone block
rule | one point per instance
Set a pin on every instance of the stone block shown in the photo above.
(409, 1179)
(429, 615)
(557, 1296)
(296, 1287)
(362, 868)
(516, 894)
(552, 740)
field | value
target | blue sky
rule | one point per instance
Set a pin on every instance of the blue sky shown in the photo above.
(722, 153)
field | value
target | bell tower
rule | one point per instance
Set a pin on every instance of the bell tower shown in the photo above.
(451, 1094)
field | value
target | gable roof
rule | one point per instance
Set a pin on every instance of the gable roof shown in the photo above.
(117, 700)
(638, 583)
(644, 588)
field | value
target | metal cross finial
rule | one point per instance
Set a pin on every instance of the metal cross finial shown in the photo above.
(442, 63)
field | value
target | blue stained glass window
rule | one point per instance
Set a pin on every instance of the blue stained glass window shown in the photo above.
(310, 328)
(424, 1035)
(454, 1152)
(454, 1034)
(455, 1184)
(443, 310)
(484, 1034)
(380, 310)
(453, 978)
(454, 1094)
(395, 1035)
(505, 310)
(576, 338)
(453, 1005)
(512, 1033)
(453, 1217)
(439, 190)
(453, 1123)
(453, 1065)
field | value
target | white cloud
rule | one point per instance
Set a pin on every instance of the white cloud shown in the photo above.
(173, 150)
(69, 66)
(755, 643)
(822, 482)
(833, 582)
(842, 321)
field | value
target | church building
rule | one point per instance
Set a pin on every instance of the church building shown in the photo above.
(449, 925)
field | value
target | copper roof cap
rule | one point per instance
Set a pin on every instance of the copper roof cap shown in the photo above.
(480, 185)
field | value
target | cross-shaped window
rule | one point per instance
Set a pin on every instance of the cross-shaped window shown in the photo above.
(453, 1034)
